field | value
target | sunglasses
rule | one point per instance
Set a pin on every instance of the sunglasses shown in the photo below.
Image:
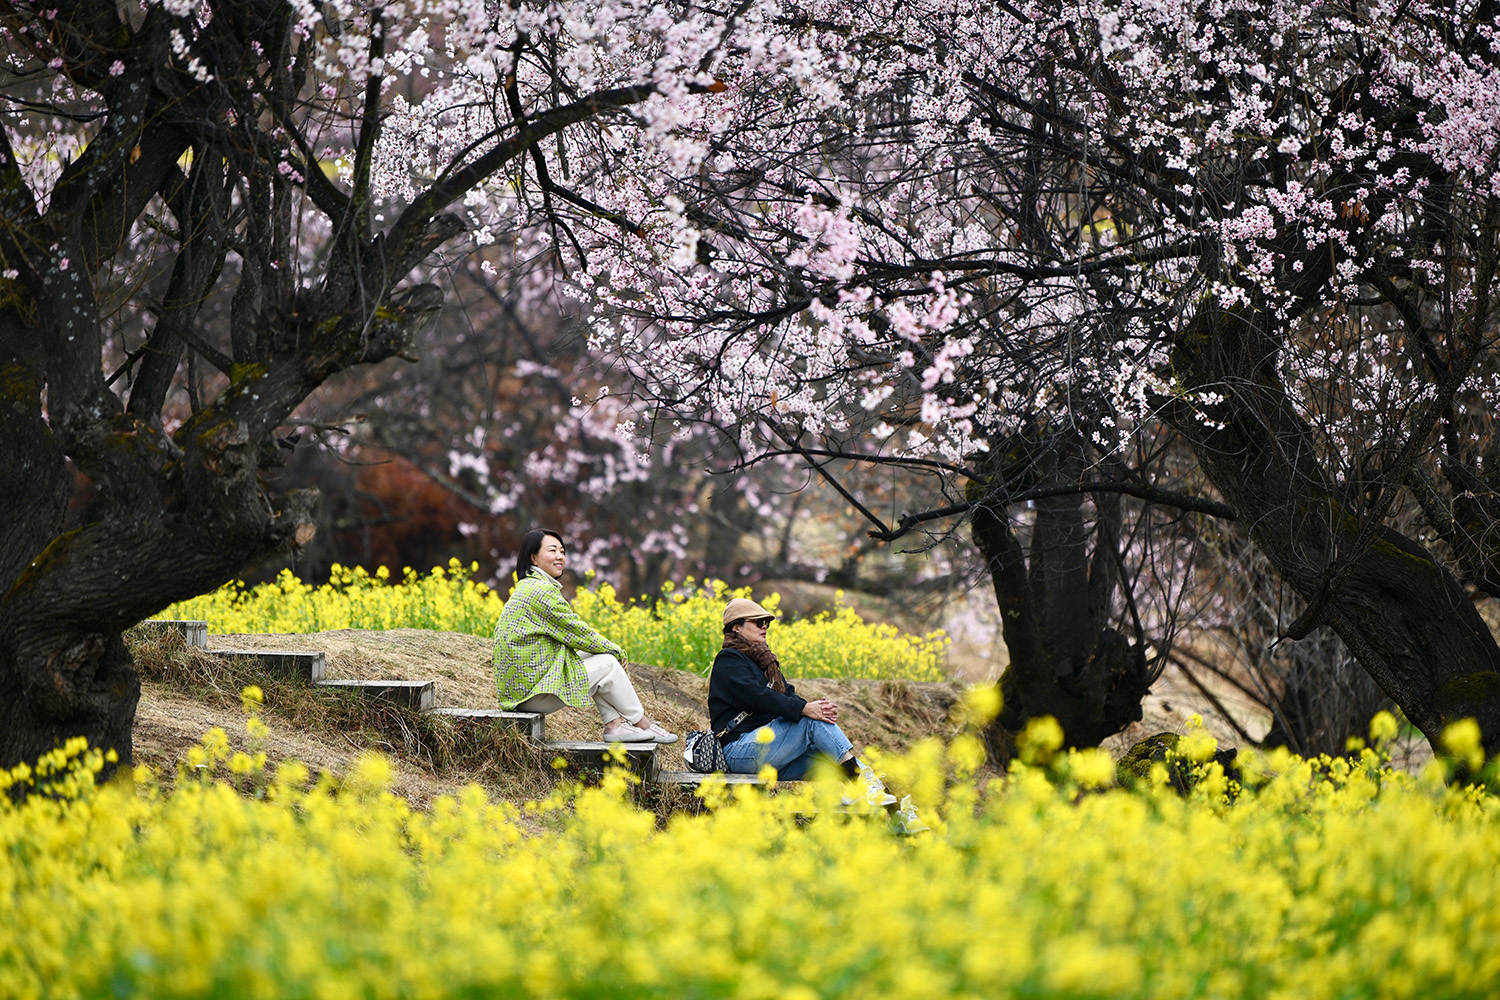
(764, 623)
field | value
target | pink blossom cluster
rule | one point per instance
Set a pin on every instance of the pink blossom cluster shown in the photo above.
(909, 229)
(786, 313)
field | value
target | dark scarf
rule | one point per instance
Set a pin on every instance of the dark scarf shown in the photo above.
(761, 654)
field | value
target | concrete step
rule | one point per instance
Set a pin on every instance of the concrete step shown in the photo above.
(694, 778)
(300, 665)
(528, 724)
(410, 694)
(590, 755)
(691, 779)
(194, 633)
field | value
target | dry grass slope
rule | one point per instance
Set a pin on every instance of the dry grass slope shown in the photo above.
(186, 691)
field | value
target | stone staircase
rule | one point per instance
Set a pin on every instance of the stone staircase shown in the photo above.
(310, 667)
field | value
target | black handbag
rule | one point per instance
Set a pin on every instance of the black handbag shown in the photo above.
(703, 751)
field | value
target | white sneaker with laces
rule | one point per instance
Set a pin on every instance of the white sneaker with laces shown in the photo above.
(623, 732)
(875, 793)
(659, 734)
(907, 820)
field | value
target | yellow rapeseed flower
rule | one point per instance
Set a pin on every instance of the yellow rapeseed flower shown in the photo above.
(1461, 742)
(1197, 745)
(1040, 740)
(319, 889)
(1383, 728)
(981, 703)
(1092, 768)
(679, 628)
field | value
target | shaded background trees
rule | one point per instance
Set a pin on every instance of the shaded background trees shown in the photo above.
(505, 419)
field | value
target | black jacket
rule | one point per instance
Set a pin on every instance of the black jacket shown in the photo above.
(737, 684)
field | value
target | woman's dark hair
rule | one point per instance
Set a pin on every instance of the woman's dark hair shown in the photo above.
(531, 544)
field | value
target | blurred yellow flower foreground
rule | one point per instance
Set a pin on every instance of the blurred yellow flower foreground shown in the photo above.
(1330, 878)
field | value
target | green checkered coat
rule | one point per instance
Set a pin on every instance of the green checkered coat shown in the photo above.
(540, 643)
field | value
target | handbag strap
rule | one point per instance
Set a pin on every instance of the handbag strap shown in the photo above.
(732, 723)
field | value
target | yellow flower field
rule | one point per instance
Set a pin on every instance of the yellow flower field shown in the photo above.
(679, 628)
(1316, 879)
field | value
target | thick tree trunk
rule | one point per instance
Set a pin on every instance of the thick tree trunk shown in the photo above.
(721, 546)
(164, 526)
(64, 669)
(53, 689)
(58, 679)
(1406, 619)
(1416, 632)
(1065, 660)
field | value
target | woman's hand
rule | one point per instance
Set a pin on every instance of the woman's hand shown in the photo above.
(822, 710)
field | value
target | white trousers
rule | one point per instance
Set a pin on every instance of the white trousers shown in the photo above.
(614, 695)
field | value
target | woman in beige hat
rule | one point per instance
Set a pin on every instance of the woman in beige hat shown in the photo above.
(747, 693)
(546, 656)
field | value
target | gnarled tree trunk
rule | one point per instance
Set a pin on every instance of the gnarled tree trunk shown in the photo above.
(1066, 660)
(1406, 618)
(166, 523)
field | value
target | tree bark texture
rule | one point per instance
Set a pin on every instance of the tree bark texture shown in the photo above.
(1066, 660)
(1407, 619)
(165, 524)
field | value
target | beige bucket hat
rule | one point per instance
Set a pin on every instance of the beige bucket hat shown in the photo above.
(743, 607)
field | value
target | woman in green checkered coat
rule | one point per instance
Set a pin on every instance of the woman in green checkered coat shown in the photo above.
(546, 656)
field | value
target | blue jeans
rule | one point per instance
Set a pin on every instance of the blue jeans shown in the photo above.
(792, 750)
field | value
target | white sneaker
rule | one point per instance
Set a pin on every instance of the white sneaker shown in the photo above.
(624, 732)
(875, 793)
(907, 820)
(659, 734)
